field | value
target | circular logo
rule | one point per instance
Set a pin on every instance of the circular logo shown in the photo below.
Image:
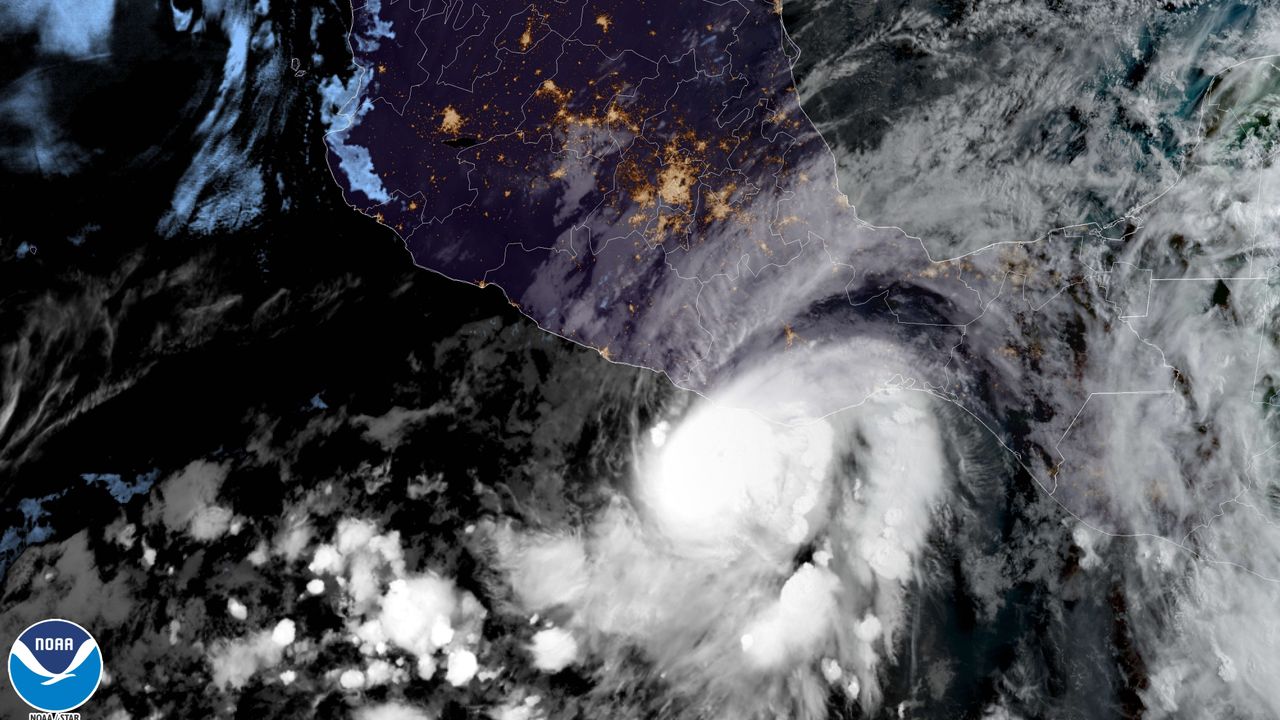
(55, 666)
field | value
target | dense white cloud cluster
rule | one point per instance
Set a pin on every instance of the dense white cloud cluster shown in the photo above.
(188, 501)
(389, 613)
(234, 662)
(553, 649)
(726, 472)
(699, 573)
(391, 711)
(424, 615)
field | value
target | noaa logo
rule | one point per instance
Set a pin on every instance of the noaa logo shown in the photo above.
(55, 666)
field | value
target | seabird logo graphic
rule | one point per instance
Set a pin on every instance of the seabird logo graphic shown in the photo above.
(55, 666)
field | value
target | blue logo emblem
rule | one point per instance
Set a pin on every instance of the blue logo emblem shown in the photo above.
(55, 666)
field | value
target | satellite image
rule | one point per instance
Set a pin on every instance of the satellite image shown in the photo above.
(640, 359)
